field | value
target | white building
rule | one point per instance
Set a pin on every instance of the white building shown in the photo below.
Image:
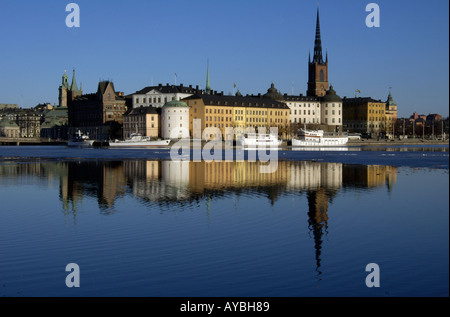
(157, 96)
(304, 109)
(331, 110)
(175, 120)
(325, 111)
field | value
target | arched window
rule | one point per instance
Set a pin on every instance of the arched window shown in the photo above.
(321, 75)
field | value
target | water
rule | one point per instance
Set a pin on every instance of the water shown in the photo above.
(138, 224)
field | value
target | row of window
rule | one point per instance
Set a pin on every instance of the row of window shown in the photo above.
(154, 100)
(115, 107)
(248, 112)
(137, 118)
(226, 125)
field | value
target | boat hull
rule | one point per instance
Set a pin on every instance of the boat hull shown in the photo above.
(84, 143)
(321, 142)
(125, 144)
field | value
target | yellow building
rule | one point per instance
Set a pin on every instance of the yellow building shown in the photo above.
(219, 111)
(364, 115)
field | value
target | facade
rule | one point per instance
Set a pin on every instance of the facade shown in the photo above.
(29, 122)
(317, 68)
(364, 115)
(303, 109)
(99, 115)
(157, 96)
(331, 111)
(325, 113)
(143, 120)
(219, 111)
(175, 120)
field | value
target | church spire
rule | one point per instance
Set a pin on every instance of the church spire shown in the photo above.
(318, 42)
(74, 86)
(208, 86)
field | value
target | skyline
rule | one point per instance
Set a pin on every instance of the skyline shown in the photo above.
(247, 43)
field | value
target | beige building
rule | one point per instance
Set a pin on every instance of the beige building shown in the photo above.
(143, 120)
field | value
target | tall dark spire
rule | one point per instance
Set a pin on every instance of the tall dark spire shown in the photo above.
(208, 85)
(318, 42)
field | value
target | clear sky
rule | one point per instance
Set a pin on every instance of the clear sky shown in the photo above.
(137, 43)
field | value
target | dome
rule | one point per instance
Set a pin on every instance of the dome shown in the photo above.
(331, 96)
(175, 103)
(6, 123)
(272, 93)
(390, 102)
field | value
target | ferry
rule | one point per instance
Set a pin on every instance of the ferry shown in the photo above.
(318, 138)
(137, 140)
(254, 140)
(81, 140)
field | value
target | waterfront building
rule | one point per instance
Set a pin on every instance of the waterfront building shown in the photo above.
(331, 111)
(143, 120)
(304, 110)
(157, 96)
(364, 115)
(9, 129)
(175, 120)
(29, 122)
(100, 114)
(221, 112)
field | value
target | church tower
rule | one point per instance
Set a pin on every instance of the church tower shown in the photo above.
(74, 91)
(63, 90)
(317, 68)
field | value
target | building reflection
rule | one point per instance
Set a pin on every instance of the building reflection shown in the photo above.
(182, 182)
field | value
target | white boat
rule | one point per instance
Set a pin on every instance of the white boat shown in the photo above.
(255, 140)
(137, 140)
(80, 140)
(318, 138)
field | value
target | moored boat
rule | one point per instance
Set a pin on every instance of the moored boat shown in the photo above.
(255, 140)
(80, 140)
(319, 138)
(137, 140)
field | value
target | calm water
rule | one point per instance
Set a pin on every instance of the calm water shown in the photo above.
(138, 224)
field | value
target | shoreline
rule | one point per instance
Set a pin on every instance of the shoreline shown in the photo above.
(285, 144)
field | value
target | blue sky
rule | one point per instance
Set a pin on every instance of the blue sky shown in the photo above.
(251, 43)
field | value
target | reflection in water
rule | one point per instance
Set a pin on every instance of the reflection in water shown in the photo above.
(183, 182)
